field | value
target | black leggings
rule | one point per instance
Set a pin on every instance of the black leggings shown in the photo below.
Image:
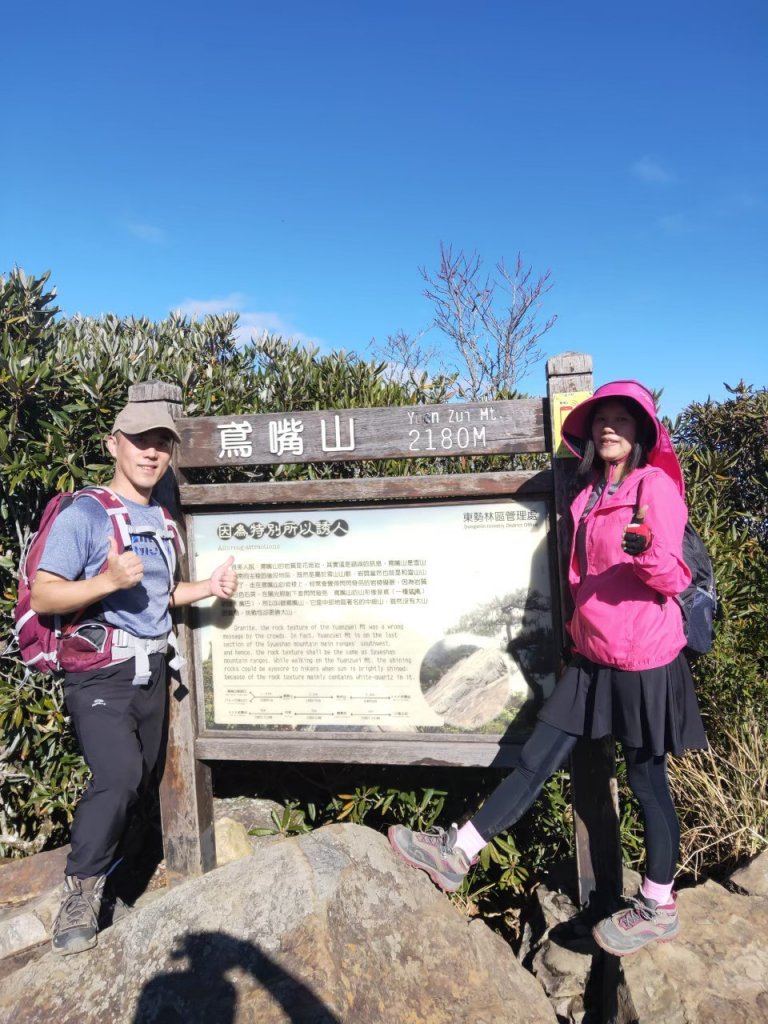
(647, 778)
(544, 752)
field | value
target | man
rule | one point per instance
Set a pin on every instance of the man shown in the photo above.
(118, 712)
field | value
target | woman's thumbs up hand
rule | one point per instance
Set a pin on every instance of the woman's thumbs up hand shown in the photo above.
(638, 536)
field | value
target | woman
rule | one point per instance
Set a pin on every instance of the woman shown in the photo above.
(628, 676)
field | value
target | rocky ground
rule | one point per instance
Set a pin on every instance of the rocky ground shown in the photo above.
(332, 927)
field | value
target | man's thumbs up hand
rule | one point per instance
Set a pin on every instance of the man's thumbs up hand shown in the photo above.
(223, 580)
(125, 570)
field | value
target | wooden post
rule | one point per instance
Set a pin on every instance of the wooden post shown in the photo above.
(186, 794)
(593, 762)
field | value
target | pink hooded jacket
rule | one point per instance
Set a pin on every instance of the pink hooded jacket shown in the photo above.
(624, 613)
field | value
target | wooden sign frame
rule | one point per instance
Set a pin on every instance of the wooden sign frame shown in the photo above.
(447, 431)
(465, 749)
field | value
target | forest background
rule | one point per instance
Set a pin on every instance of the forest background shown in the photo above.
(63, 379)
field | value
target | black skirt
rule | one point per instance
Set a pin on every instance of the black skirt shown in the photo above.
(654, 708)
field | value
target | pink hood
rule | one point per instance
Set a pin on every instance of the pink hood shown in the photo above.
(662, 454)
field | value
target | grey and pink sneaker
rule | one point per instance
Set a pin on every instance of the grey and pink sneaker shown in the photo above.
(645, 921)
(434, 852)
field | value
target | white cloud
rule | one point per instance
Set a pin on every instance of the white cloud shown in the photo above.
(197, 308)
(674, 223)
(744, 201)
(651, 170)
(252, 323)
(147, 233)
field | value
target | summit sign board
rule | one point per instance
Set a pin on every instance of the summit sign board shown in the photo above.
(472, 428)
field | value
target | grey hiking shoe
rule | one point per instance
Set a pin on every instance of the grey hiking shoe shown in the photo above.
(77, 921)
(434, 852)
(645, 921)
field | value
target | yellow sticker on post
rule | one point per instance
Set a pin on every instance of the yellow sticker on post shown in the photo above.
(560, 405)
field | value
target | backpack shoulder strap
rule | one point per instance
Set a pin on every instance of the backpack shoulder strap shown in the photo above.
(173, 530)
(121, 524)
(594, 496)
(116, 511)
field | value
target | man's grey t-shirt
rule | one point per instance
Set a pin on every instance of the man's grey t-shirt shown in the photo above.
(77, 548)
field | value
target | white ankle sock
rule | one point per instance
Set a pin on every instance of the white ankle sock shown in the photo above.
(662, 894)
(470, 841)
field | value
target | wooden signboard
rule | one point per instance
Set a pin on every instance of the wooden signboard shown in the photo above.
(406, 432)
(411, 619)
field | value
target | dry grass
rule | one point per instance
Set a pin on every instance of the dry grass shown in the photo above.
(722, 798)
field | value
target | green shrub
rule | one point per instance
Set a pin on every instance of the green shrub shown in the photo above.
(723, 448)
(61, 384)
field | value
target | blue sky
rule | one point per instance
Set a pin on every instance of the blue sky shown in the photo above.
(300, 162)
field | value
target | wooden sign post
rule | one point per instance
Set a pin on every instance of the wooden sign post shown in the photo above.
(593, 762)
(335, 649)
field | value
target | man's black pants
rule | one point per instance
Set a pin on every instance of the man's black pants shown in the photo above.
(120, 728)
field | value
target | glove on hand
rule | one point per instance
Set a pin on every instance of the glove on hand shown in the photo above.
(637, 538)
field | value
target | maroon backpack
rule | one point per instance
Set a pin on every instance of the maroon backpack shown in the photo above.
(81, 641)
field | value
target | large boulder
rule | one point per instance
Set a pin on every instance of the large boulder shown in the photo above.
(753, 877)
(29, 877)
(715, 972)
(328, 927)
(30, 889)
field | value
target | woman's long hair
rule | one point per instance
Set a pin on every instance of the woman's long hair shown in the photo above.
(645, 440)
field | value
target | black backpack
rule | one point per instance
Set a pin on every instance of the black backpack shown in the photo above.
(699, 599)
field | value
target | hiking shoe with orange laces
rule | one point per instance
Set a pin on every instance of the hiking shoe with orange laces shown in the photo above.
(77, 921)
(434, 852)
(645, 921)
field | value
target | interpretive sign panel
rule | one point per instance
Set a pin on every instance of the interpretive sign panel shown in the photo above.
(429, 618)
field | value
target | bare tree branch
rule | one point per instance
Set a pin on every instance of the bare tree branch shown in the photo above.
(406, 357)
(491, 320)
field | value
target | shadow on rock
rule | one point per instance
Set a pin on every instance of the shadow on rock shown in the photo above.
(203, 994)
(605, 996)
(575, 935)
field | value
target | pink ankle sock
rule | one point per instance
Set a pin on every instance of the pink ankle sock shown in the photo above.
(470, 840)
(662, 894)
